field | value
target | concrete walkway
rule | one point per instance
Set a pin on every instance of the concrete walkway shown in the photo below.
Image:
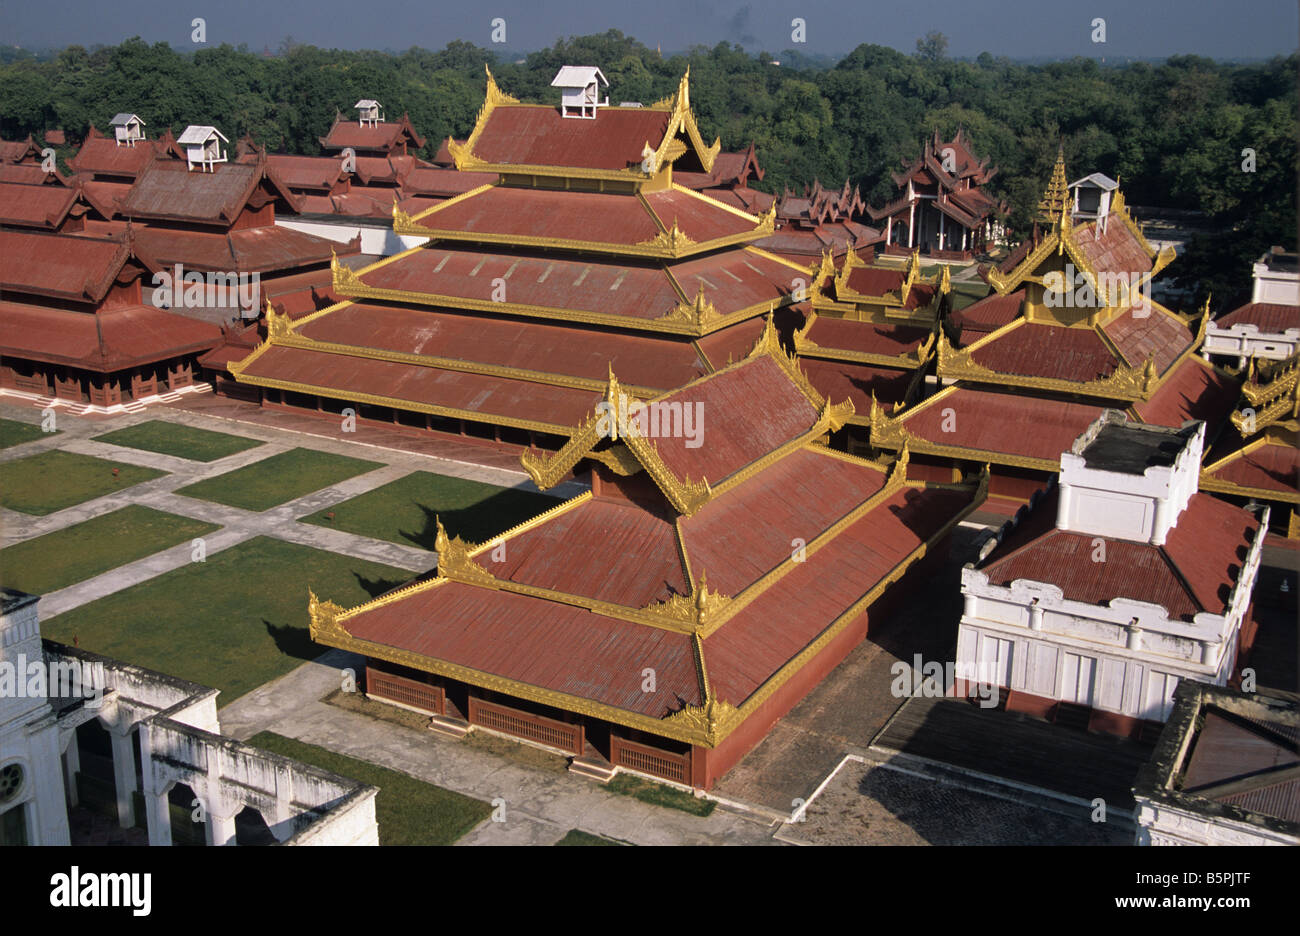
(541, 805)
(237, 525)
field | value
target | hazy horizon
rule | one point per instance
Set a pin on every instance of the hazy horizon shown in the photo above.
(1017, 29)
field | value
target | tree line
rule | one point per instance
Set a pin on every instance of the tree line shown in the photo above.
(1188, 133)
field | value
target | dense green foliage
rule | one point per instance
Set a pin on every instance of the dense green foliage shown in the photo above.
(1174, 132)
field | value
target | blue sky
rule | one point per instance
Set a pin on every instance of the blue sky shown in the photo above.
(1015, 28)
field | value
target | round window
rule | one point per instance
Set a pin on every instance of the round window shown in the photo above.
(11, 781)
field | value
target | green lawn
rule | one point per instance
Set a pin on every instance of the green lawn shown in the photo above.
(78, 552)
(578, 837)
(233, 622)
(964, 294)
(657, 794)
(182, 441)
(409, 811)
(403, 511)
(16, 433)
(50, 481)
(277, 479)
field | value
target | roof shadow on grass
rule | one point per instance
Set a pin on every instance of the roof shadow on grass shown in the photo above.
(479, 523)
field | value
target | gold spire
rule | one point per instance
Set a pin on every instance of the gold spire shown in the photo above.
(1054, 198)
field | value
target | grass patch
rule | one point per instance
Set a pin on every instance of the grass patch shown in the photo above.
(409, 811)
(278, 479)
(81, 551)
(179, 440)
(42, 484)
(233, 622)
(405, 511)
(656, 794)
(578, 837)
(14, 433)
(965, 294)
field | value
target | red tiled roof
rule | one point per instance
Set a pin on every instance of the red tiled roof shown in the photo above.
(385, 135)
(125, 336)
(844, 380)
(734, 435)
(168, 191)
(987, 315)
(743, 534)
(101, 155)
(1114, 251)
(29, 174)
(639, 360)
(1269, 467)
(730, 344)
(542, 643)
(866, 337)
(875, 281)
(994, 422)
(246, 250)
(1194, 571)
(491, 398)
(428, 180)
(63, 266)
(38, 206)
(787, 617)
(608, 550)
(586, 216)
(1269, 317)
(1056, 351)
(1194, 390)
(531, 135)
(1158, 333)
(319, 172)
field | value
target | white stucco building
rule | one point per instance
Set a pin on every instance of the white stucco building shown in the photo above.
(1122, 581)
(1223, 771)
(74, 723)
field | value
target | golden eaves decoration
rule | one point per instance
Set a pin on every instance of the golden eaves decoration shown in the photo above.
(697, 610)
(322, 617)
(673, 240)
(454, 561)
(701, 313)
(463, 153)
(1124, 383)
(712, 720)
(278, 325)
(343, 279)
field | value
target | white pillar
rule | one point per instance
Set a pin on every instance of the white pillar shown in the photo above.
(124, 778)
(942, 228)
(911, 224)
(220, 829)
(889, 228)
(158, 818)
(71, 764)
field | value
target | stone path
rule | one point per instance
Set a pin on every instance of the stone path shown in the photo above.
(541, 805)
(237, 525)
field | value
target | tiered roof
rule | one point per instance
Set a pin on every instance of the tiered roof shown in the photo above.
(954, 182)
(1262, 459)
(871, 331)
(1026, 350)
(390, 138)
(558, 265)
(678, 559)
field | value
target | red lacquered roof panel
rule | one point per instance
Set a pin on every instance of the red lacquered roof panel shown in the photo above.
(1055, 351)
(529, 135)
(996, 423)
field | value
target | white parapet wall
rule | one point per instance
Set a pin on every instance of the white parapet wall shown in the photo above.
(377, 237)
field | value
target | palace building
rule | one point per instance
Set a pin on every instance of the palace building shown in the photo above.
(1260, 461)
(941, 208)
(582, 252)
(870, 334)
(1069, 331)
(1120, 582)
(723, 562)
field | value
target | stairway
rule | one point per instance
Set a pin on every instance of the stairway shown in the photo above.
(454, 728)
(599, 770)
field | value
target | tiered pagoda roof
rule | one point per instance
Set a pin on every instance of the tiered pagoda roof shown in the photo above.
(678, 559)
(580, 251)
(1030, 351)
(871, 331)
(1262, 459)
(954, 182)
